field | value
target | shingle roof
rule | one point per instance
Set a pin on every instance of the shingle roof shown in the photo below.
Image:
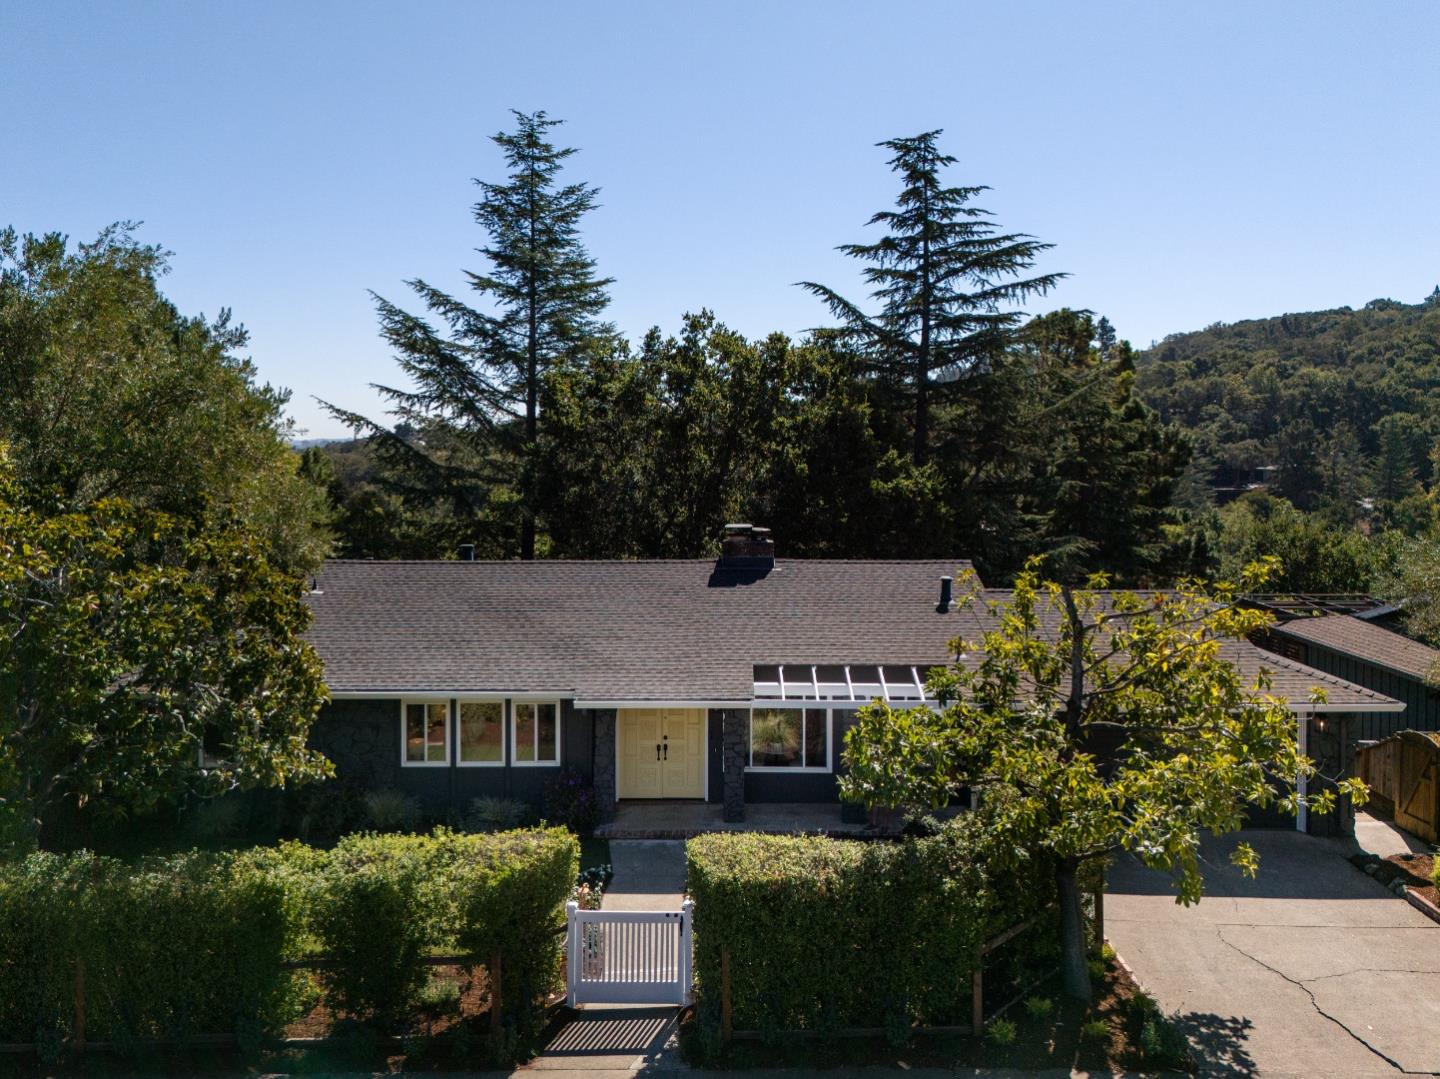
(657, 630)
(635, 630)
(1289, 680)
(1365, 641)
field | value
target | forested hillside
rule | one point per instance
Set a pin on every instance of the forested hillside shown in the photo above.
(1335, 410)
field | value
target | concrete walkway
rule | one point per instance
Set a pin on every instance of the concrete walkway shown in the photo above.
(649, 875)
(1383, 839)
(1312, 969)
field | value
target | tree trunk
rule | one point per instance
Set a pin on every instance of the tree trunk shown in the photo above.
(1074, 971)
(921, 452)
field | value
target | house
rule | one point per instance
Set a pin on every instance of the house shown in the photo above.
(1360, 651)
(730, 680)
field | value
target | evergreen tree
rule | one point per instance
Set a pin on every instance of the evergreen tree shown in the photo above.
(1108, 469)
(1398, 438)
(478, 383)
(944, 277)
(1105, 337)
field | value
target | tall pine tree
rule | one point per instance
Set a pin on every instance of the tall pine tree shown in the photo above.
(477, 382)
(946, 279)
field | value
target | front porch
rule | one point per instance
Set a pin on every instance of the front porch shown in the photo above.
(681, 820)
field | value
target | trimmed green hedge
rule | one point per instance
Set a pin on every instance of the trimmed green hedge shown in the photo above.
(197, 943)
(824, 934)
(384, 901)
(171, 947)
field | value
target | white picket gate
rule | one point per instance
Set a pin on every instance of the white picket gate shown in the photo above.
(629, 956)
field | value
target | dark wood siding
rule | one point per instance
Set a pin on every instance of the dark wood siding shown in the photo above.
(1422, 704)
(363, 739)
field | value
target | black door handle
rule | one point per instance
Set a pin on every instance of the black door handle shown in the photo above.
(667, 751)
(657, 751)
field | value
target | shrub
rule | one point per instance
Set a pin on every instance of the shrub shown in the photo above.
(823, 933)
(1163, 1044)
(371, 921)
(1094, 1030)
(386, 900)
(1141, 1006)
(172, 947)
(509, 892)
(323, 812)
(1001, 1032)
(391, 811)
(215, 820)
(570, 802)
(1039, 1007)
(197, 943)
(496, 814)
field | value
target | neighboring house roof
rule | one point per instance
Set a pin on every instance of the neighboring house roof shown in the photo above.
(1364, 641)
(1290, 680)
(684, 630)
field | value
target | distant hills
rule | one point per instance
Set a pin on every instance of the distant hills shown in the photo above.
(1334, 408)
(306, 443)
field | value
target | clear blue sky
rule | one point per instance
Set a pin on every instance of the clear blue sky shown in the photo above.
(1215, 161)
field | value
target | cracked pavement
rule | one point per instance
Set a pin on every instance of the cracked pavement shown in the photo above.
(1312, 969)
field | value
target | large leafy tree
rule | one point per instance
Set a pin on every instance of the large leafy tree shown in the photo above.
(477, 378)
(947, 281)
(133, 641)
(688, 431)
(107, 391)
(1314, 555)
(1090, 723)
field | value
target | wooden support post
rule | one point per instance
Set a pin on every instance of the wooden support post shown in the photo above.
(78, 1034)
(496, 994)
(727, 1024)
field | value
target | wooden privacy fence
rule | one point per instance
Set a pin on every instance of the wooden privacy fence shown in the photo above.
(1403, 774)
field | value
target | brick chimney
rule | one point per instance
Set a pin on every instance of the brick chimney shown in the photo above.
(747, 547)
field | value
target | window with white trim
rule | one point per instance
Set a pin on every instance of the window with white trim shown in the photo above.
(535, 732)
(482, 733)
(790, 738)
(426, 730)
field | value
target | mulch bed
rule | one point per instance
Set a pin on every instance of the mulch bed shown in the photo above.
(429, 1020)
(1415, 871)
(1052, 1042)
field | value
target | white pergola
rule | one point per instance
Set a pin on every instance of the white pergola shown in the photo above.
(857, 683)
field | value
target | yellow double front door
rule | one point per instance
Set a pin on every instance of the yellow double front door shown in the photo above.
(662, 752)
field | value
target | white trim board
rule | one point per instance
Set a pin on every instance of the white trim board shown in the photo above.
(469, 694)
(667, 703)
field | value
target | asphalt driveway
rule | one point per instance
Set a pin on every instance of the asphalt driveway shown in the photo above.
(1312, 969)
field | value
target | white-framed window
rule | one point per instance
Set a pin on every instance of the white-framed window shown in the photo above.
(425, 734)
(535, 732)
(481, 735)
(790, 739)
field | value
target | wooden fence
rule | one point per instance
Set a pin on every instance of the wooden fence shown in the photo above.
(1403, 774)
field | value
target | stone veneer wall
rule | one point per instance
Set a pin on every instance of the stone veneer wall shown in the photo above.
(605, 761)
(735, 725)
